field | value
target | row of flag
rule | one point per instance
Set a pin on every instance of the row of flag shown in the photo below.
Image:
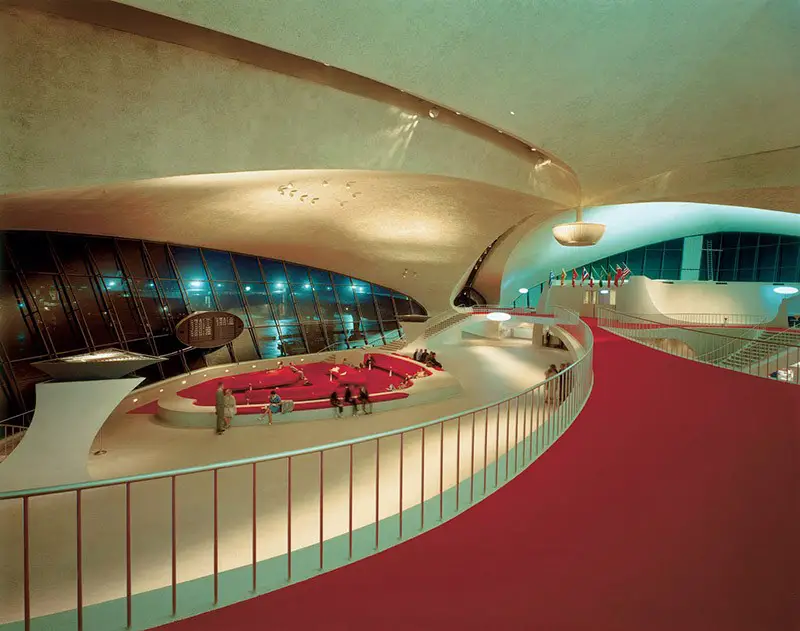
(616, 276)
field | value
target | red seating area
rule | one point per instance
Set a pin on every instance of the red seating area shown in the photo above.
(314, 394)
(398, 365)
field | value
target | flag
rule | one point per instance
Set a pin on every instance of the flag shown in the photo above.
(574, 276)
(617, 276)
(584, 276)
(551, 279)
(608, 280)
(602, 273)
(591, 277)
(563, 276)
(625, 272)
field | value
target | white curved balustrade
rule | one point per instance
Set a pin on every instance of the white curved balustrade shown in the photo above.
(140, 551)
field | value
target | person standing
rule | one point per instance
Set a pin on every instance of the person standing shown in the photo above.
(230, 407)
(220, 408)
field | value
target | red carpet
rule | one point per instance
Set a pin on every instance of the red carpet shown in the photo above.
(389, 371)
(672, 503)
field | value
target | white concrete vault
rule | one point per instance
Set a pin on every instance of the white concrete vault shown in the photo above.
(370, 224)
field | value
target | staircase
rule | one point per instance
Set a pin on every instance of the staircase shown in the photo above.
(444, 322)
(394, 346)
(764, 346)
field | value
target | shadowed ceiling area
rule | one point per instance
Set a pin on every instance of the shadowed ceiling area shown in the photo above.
(620, 89)
(365, 223)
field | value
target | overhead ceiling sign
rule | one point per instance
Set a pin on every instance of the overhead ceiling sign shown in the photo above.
(209, 329)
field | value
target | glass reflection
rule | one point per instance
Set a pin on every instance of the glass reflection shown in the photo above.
(131, 294)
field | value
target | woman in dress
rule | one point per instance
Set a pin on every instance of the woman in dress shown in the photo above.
(230, 407)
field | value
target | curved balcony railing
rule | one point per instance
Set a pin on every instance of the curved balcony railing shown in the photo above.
(139, 551)
(754, 351)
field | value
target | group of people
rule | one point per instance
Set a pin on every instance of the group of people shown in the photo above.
(424, 356)
(557, 389)
(225, 407)
(351, 399)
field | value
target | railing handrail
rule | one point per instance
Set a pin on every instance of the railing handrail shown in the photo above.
(141, 477)
(670, 325)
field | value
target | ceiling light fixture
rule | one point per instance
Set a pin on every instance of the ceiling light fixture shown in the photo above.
(578, 233)
(786, 291)
(433, 112)
(523, 290)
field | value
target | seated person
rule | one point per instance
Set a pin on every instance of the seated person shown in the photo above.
(363, 397)
(336, 402)
(273, 407)
(432, 361)
(369, 362)
(350, 399)
(420, 374)
(406, 383)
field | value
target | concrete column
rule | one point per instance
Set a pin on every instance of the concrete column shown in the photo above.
(55, 449)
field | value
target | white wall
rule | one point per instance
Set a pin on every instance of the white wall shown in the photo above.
(645, 296)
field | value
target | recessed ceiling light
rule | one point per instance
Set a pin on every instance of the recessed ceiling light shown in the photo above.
(787, 291)
(512, 114)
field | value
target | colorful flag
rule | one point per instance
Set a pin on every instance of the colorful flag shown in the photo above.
(551, 279)
(584, 276)
(563, 276)
(602, 273)
(608, 281)
(574, 276)
(591, 277)
(625, 272)
(617, 276)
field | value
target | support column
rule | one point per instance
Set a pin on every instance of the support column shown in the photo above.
(56, 446)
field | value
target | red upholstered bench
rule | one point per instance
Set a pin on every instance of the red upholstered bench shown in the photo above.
(397, 365)
(205, 393)
(319, 404)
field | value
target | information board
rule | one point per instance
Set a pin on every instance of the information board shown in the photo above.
(209, 329)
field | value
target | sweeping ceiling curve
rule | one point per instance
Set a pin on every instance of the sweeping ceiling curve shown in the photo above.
(620, 89)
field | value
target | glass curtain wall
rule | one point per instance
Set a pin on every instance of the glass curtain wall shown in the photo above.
(61, 294)
(726, 256)
(748, 256)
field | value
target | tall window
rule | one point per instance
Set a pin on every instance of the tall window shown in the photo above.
(61, 294)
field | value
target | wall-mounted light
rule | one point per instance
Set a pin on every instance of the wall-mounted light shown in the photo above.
(433, 112)
(604, 291)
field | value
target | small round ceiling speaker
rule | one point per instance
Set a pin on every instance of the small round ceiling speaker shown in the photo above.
(498, 316)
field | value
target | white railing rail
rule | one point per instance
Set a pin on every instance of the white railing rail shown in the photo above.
(757, 356)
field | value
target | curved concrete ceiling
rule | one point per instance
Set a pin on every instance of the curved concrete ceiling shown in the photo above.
(88, 105)
(372, 225)
(620, 89)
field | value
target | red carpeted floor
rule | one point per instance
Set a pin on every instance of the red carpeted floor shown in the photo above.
(671, 503)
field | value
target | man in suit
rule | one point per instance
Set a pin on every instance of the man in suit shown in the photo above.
(219, 405)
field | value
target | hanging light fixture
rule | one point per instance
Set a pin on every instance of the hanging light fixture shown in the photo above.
(578, 233)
